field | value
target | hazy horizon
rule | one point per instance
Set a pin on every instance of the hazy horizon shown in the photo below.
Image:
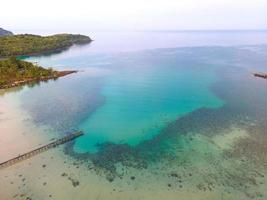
(125, 15)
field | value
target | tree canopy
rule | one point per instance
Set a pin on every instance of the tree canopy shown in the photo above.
(12, 70)
(27, 44)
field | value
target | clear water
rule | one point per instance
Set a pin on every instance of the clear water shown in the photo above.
(145, 92)
(129, 97)
(180, 111)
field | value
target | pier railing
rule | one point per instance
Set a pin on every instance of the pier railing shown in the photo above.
(40, 149)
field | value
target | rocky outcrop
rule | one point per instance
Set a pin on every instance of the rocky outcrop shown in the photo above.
(261, 75)
(4, 32)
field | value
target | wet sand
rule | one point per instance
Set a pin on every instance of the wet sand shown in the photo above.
(18, 134)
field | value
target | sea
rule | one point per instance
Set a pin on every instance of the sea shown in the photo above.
(165, 115)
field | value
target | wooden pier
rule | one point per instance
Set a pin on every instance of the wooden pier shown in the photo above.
(40, 149)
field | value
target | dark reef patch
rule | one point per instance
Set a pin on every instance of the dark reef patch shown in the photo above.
(70, 108)
(245, 107)
(245, 98)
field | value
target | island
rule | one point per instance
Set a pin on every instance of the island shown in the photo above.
(28, 44)
(261, 75)
(4, 32)
(14, 72)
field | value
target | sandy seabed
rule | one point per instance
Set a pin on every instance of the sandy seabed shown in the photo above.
(55, 175)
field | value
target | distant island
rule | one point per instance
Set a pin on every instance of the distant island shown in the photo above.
(4, 32)
(261, 75)
(14, 72)
(28, 44)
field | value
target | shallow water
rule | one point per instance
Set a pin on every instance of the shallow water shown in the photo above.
(145, 92)
(182, 120)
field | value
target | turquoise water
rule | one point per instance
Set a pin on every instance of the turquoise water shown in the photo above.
(130, 97)
(190, 120)
(141, 92)
(140, 99)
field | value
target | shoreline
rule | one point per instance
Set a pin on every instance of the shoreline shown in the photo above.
(33, 80)
(17, 125)
(46, 52)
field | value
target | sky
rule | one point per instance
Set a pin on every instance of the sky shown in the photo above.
(134, 15)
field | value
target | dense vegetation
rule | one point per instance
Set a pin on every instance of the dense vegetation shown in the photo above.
(26, 44)
(12, 70)
(4, 32)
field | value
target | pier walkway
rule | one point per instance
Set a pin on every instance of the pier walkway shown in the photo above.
(40, 149)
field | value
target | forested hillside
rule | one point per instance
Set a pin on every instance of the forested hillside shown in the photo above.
(12, 70)
(26, 44)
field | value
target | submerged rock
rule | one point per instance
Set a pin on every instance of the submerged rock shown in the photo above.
(75, 183)
(64, 174)
(173, 174)
(110, 179)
